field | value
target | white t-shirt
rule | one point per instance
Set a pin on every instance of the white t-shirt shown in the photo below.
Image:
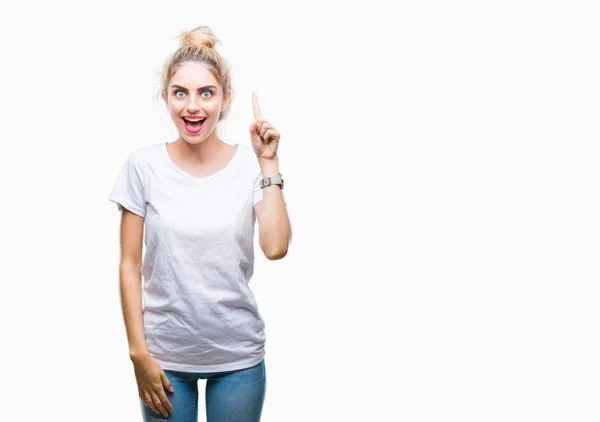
(199, 312)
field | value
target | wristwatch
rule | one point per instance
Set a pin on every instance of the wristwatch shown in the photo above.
(273, 180)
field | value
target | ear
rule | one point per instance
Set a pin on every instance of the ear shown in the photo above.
(164, 97)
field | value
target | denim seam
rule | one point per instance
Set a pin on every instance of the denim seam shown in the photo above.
(195, 411)
(206, 405)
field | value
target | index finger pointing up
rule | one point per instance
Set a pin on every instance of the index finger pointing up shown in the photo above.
(255, 106)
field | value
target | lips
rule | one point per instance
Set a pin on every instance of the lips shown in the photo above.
(193, 124)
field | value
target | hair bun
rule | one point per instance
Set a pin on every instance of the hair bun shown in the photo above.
(201, 36)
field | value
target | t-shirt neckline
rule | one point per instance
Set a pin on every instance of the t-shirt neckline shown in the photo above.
(191, 176)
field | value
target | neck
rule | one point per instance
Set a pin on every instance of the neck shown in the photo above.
(206, 152)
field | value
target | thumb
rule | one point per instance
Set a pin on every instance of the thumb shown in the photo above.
(166, 382)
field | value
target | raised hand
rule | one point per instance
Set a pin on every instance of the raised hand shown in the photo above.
(264, 136)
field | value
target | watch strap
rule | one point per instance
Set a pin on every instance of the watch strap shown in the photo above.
(272, 180)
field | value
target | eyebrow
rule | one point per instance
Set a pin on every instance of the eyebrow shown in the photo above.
(185, 89)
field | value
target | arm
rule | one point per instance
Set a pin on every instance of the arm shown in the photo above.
(132, 233)
(275, 228)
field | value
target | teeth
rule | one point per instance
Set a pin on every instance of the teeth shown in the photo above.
(193, 120)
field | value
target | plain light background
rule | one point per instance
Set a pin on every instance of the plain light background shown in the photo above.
(441, 168)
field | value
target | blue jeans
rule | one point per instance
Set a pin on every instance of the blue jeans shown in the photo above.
(231, 396)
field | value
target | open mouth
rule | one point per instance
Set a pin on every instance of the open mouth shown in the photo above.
(193, 125)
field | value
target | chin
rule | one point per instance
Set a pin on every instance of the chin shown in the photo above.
(192, 139)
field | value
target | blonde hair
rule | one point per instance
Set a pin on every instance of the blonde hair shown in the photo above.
(198, 45)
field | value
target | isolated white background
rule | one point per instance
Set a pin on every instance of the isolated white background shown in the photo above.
(441, 167)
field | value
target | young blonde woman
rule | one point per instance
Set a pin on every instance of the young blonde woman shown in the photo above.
(193, 203)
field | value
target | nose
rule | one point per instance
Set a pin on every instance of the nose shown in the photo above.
(192, 106)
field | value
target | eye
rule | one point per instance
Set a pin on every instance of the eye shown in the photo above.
(205, 91)
(177, 92)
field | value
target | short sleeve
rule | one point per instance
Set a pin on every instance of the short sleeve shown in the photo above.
(128, 191)
(258, 194)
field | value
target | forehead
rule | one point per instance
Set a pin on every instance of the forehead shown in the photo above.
(192, 74)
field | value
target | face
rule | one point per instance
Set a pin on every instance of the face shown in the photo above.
(194, 94)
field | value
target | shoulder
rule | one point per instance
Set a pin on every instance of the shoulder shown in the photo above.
(249, 157)
(246, 150)
(147, 152)
(143, 156)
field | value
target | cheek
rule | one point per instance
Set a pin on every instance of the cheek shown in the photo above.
(175, 111)
(214, 107)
